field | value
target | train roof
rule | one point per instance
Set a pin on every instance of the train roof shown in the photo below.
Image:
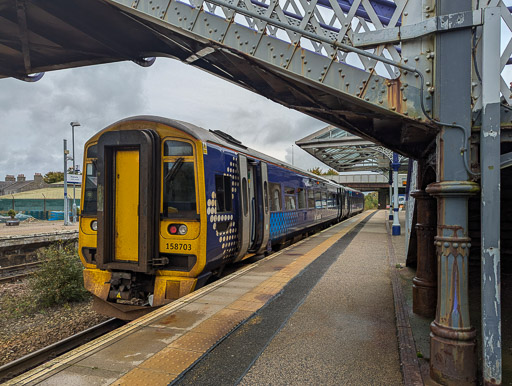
(220, 138)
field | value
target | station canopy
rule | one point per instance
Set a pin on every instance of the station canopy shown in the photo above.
(345, 152)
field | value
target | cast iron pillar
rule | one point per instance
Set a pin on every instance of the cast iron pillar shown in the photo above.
(453, 359)
(396, 223)
(424, 284)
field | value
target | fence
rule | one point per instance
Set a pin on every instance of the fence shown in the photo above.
(38, 208)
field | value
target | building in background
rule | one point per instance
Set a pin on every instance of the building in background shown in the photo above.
(13, 185)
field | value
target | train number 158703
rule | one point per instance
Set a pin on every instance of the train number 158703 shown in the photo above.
(178, 247)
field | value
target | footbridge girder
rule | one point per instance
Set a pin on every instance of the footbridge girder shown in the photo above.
(300, 54)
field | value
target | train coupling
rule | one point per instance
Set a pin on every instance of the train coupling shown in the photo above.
(124, 289)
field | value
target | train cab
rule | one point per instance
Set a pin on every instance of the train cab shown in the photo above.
(140, 230)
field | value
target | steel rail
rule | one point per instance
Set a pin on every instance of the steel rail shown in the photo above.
(10, 273)
(27, 362)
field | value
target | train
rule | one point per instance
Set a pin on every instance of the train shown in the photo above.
(167, 204)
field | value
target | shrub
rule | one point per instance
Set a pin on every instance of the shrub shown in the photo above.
(60, 278)
(371, 201)
(11, 213)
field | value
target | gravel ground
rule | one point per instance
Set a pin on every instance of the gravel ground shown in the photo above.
(23, 334)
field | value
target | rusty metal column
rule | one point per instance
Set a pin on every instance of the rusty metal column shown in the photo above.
(453, 359)
(424, 284)
(490, 151)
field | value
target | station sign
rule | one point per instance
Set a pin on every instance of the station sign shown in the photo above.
(74, 179)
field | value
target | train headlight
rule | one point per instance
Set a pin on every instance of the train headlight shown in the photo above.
(182, 230)
(94, 225)
(177, 229)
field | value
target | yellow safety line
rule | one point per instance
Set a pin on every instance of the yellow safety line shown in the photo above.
(276, 282)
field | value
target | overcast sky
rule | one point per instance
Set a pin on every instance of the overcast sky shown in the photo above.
(35, 117)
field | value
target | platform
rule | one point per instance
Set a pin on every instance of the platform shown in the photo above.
(318, 312)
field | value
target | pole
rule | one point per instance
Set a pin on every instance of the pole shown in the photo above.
(73, 140)
(73, 124)
(396, 223)
(490, 199)
(66, 152)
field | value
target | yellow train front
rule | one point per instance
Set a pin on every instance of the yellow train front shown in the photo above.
(166, 204)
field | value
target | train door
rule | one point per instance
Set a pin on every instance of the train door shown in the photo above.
(128, 191)
(251, 192)
(264, 207)
(244, 231)
(345, 203)
(254, 224)
(339, 203)
(126, 204)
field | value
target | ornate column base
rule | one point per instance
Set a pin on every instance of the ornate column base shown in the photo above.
(454, 358)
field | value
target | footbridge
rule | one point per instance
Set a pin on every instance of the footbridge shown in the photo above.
(424, 78)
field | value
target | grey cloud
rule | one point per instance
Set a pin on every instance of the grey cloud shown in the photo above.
(34, 118)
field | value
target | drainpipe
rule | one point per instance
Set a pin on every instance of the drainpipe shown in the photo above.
(424, 284)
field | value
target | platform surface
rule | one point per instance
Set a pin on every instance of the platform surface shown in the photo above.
(319, 312)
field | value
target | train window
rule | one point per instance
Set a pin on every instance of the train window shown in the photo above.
(223, 192)
(244, 196)
(318, 199)
(289, 202)
(265, 192)
(324, 200)
(302, 198)
(177, 148)
(289, 190)
(179, 189)
(331, 200)
(92, 151)
(289, 198)
(275, 197)
(311, 199)
(91, 189)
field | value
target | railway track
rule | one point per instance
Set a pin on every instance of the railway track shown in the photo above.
(16, 272)
(23, 364)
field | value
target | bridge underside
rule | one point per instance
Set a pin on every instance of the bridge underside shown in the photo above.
(39, 36)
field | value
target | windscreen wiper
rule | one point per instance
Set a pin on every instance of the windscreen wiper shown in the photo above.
(171, 174)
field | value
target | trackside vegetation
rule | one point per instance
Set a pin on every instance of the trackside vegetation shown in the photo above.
(59, 281)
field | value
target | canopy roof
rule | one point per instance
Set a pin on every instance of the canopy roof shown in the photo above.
(345, 152)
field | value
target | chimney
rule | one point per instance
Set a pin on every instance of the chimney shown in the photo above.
(10, 177)
(21, 177)
(38, 177)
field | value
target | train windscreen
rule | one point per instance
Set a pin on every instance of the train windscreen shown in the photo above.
(91, 190)
(179, 199)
